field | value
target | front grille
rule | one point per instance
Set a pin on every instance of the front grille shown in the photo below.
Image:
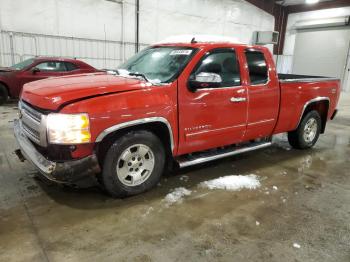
(32, 113)
(31, 132)
(33, 124)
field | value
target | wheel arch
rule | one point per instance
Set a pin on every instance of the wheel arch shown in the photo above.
(6, 86)
(319, 104)
(157, 125)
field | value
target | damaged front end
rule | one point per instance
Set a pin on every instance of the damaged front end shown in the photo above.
(62, 172)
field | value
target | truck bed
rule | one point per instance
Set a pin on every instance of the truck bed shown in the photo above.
(297, 91)
(302, 78)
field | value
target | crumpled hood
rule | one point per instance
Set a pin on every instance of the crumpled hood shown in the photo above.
(51, 93)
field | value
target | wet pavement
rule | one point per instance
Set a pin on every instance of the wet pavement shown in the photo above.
(301, 212)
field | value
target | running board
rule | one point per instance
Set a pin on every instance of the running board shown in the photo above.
(190, 160)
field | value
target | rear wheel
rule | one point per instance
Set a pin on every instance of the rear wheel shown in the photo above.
(3, 94)
(133, 164)
(307, 133)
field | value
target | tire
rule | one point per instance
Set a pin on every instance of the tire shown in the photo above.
(307, 133)
(133, 164)
(3, 94)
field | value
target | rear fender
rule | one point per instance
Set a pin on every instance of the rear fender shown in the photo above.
(321, 105)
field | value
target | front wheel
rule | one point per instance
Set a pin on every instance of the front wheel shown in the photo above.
(307, 133)
(133, 164)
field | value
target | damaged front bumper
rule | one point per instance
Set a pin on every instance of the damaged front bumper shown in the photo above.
(61, 172)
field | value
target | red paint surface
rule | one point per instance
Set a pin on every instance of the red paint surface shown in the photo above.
(200, 120)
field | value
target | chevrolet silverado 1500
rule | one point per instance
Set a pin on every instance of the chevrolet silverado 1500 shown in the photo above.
(185, 103)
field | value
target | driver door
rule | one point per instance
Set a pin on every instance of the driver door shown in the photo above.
(212, 114)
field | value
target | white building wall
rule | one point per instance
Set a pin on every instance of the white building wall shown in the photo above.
(77, 18)
(286, 61)
(92, 29)
(236, 18)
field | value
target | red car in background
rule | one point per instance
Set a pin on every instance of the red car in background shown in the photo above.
(13, 78)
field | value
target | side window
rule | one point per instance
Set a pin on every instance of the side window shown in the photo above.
(52, 66)
(258, 71)
(222, 62)
(71, 66)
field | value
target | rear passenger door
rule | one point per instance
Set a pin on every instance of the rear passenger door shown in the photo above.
(212, 115)
(263, 93)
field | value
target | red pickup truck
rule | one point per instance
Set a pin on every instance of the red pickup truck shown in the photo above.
(184, 103)
(14, 77)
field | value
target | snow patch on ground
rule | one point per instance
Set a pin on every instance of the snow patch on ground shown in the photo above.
(149, 210)
(296, 245)
(283, 173)
(184, 178)
(177, 195)
(232, 183)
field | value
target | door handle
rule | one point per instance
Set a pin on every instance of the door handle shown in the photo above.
(237, 99)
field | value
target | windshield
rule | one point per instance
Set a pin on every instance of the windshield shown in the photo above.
(158, 64)
(23, 64)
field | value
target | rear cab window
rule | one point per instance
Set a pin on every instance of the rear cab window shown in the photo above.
(257, 67)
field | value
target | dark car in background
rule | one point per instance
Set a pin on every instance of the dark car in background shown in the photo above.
(14, 77)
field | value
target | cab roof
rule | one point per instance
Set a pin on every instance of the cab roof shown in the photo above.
(198, 41)
(52, 58)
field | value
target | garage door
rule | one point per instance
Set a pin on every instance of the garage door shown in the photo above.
(321, 51)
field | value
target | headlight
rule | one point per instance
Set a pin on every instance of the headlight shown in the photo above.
(68, 129)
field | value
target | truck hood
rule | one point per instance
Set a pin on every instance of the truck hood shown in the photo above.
(54, 92)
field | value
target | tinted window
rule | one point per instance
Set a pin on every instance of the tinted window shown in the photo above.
(257, 66)
(51, 66)
(223, 63)
(71, 66)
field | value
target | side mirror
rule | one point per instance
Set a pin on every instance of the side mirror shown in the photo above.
(35, 70)
(205, 80)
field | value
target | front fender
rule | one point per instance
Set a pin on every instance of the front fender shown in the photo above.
(116, 111)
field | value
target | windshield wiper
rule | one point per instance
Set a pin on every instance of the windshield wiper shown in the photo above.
(139, 74)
